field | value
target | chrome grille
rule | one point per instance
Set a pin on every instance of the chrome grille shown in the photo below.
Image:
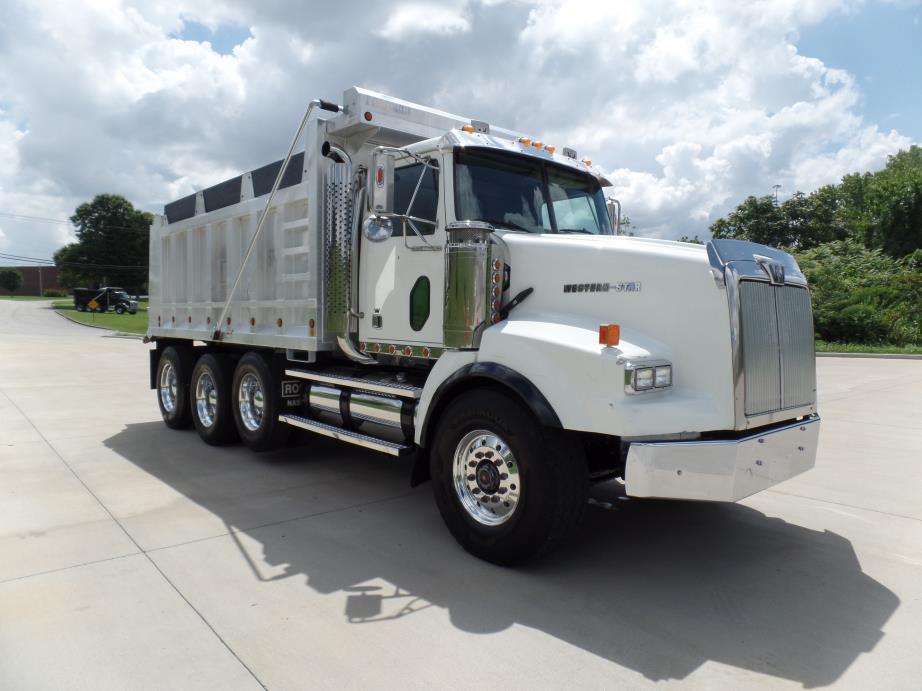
(776, 329)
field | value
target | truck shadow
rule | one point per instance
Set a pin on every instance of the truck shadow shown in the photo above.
(657, 587)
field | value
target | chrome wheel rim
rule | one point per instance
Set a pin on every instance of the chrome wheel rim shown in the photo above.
(486, 477)
(206, 399)
(251, 402)
(169, 385)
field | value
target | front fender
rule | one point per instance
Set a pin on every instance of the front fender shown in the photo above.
(583, 381)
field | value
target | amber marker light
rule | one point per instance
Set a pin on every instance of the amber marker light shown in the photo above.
(609, 334)
(537, 144)
(524, 141)
(468, 128)
(550, 148)
(587, 161)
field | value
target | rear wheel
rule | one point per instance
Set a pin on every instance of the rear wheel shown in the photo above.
(211, 400)
(256, 404)
(173, 373)
(507, 488)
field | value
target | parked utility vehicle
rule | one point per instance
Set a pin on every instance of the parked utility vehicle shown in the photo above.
(411, 281)
(104, 299)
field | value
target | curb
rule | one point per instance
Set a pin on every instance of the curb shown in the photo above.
(112, 332)
(880, 356)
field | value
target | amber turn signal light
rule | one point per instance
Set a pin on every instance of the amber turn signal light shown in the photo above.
(609, 334)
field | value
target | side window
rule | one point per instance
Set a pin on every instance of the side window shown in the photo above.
(427, 198)
(419, 303)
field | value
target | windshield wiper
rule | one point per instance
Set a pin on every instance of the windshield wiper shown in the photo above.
(507, 224)
(575, 230)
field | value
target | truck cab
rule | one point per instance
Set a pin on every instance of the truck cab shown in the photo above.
(422, 283)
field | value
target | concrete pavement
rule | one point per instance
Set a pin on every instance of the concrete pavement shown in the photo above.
(133, 556)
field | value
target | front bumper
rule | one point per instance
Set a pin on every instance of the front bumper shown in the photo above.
(721, 470)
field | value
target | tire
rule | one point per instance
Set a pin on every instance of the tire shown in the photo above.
(210, 400)
(544, 479)
(101, 309)
(174, 371)
(81, 308)
(256, 404)
(120, 309)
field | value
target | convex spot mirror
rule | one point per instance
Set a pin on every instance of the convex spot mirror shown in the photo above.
(381, 183)
(377, 228)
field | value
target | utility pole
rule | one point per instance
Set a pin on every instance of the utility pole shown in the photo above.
(776, 188)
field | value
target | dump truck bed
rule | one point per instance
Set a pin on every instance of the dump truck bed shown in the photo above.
(198, 244)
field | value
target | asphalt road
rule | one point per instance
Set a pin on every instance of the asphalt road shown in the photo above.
(133, 556)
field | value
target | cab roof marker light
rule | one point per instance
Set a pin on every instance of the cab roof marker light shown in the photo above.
(524, 141)
(537, 144)
(587, 161)
(550, 148)
(468, 128)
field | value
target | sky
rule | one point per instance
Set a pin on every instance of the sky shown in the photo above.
(687, 107)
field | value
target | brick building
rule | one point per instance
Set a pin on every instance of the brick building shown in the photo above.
(35, 279)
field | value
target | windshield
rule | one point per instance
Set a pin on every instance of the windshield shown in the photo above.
(526, 193)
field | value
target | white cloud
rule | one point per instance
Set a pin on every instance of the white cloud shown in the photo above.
(418, 18)
(689, 106)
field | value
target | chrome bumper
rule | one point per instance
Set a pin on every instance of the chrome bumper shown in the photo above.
(721, 470)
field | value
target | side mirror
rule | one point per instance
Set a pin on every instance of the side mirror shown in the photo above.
(614, 214)
(381, 183)
(378, 228)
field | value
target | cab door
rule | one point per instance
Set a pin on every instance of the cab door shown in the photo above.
(401, 278)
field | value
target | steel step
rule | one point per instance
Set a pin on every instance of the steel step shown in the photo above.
(402, 390)
(389, 447)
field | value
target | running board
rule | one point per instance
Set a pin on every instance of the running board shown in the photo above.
(394, 389)
(389, 447)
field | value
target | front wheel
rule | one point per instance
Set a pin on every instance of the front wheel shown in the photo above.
(120, 309)
(507, 488)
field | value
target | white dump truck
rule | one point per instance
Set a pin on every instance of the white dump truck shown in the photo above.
(415, 282)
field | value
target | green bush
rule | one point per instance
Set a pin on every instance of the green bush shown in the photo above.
(862, 295)
(52, 293)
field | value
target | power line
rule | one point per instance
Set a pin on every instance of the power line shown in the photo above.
(49, 262)
(44, 219)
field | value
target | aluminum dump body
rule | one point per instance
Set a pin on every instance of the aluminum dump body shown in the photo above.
(198, 244)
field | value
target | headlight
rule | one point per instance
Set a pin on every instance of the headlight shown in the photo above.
(643, 377)
(662, 376)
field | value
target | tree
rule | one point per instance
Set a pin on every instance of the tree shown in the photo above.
(10, 279)
(757, 219)
(112, 245)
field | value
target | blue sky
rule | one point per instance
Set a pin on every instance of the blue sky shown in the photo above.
(881, 45)
(222, 39)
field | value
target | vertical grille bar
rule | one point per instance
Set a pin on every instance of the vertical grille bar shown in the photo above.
(795, 321)
(761, 365)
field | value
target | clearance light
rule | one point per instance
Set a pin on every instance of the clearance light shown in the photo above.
(609, 334)
(524, 141)
(550, 149)
(587, 161)
(537, 144)
(468, 128)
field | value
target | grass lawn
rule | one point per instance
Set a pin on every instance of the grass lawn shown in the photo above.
(122, 323)
(23, 297)
(824, 347)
